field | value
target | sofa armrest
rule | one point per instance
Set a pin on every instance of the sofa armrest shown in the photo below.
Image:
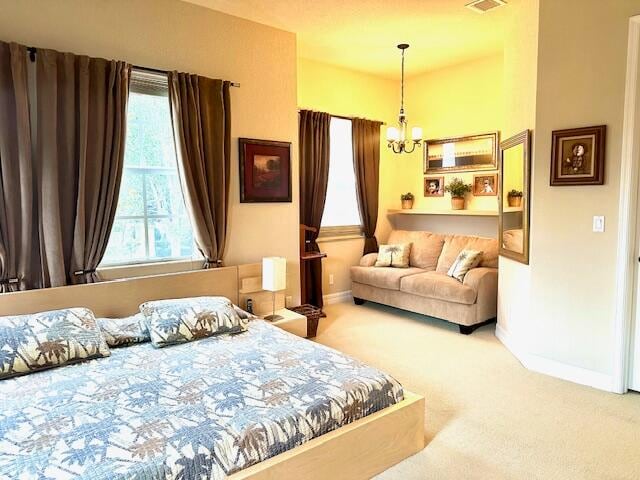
(484, 281)
(477, 278)
(369, 260)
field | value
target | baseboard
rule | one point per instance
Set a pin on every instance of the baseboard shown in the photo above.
(554, 368)
(337, 297)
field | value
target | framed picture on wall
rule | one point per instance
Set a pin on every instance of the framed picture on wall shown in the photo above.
(462, 154)
(434, 186)
(577, 156)
(485, 185)
(265, 171)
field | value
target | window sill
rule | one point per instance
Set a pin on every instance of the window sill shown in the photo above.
(339, 238)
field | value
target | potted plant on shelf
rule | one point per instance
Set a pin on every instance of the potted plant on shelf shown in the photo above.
(407, 200)
(514, 198)
(458, 190)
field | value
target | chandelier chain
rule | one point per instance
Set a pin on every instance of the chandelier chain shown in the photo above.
(402, 86)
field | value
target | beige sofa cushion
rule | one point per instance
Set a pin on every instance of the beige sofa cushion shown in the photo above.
(454, 244)
(425, 249)
(438, 286)
(382, 277)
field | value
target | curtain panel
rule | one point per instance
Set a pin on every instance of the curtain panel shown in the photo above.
(19, 252)
(201, 119)
(314, 176)
(81, 123)
(366, 158)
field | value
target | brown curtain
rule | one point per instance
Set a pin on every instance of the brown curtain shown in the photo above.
(201, 118)
(19, 256)
(314, 176)
(81, 111)
(366, 158)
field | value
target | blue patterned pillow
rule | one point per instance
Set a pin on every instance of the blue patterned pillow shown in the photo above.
(185, 319)
(124, 331)
(29, 343)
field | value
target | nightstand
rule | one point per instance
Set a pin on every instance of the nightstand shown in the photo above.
(292, 322)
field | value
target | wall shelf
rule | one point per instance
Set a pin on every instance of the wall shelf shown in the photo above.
(468, 213)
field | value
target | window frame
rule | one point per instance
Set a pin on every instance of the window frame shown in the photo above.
(343, 232)
(156, 84)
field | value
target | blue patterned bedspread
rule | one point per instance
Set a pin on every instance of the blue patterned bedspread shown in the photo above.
(201, 410)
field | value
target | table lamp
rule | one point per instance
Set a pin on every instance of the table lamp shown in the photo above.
(274, 279)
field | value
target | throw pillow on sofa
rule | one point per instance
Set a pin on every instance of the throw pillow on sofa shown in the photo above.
(466, 260)
(394, 256)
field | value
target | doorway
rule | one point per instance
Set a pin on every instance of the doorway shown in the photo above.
(627, 316)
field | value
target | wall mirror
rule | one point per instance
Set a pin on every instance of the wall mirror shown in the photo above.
(514, 202)
(460, 154)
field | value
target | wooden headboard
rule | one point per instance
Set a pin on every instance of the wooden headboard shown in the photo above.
(119, 298)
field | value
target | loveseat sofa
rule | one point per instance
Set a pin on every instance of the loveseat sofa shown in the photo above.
(425, 287)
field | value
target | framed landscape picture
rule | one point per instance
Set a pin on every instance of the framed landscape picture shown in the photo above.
(461, 154)
(265, 171)
(577, 156)
(434, 186)
(485, 185)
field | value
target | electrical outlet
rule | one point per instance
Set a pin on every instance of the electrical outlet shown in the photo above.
(331, 279)
(598, 223)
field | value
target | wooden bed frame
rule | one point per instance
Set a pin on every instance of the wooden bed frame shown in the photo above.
(355, 451)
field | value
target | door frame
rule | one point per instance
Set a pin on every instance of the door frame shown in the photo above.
(627, 259)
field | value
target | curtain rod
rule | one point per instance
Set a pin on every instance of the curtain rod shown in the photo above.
(32, 55)
(349, 118)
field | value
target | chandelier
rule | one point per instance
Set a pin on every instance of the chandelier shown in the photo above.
(397, 136)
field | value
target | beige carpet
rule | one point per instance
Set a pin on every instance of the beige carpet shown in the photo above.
(486, 416)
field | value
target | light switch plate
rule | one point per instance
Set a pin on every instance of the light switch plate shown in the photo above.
(598, 223)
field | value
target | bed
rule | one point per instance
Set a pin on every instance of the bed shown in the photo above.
(260, 404)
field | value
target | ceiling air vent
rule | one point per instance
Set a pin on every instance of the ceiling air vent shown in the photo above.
(482, 6)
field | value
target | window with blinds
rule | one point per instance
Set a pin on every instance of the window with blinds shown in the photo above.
(341, 215)
(151, 221)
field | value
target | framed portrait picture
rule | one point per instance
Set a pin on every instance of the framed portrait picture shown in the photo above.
(265, 171)
(577, 156)
(485, 185)
(434, 186)
(462, 154)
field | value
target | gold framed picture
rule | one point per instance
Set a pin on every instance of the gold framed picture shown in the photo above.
(434, 186)
(485, 185)
(577, 156)
(461, 154)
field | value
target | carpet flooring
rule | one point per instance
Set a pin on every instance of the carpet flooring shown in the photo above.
(487, 417)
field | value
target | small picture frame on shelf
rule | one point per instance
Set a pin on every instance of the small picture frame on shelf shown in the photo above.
(485, 185)
(434, 186)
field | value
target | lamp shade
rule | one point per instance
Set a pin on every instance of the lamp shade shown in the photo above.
(393, 134)
(274, 273)
(416, 133)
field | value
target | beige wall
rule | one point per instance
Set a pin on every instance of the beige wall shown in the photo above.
(340, 91)
(581, 79)
(558, 312)
(169, 34)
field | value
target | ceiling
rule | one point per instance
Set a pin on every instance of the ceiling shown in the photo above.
(363, 34)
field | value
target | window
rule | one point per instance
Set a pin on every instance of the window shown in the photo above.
(151, 221)
(341, 215)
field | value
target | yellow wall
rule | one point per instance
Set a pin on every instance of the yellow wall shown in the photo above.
(456, 101)
(520, 85)
(445, 103)
(169, 34)
(340, 91)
